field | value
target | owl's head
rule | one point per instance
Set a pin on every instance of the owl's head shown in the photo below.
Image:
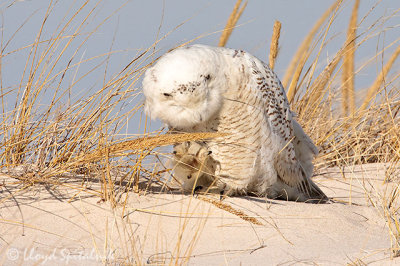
(183, 89)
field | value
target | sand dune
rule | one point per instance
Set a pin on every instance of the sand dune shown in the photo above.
(55, 225)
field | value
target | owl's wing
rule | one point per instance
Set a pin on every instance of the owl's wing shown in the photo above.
(289, 166)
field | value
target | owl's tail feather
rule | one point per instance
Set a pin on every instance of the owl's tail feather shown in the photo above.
(306, 191)
(312, 192)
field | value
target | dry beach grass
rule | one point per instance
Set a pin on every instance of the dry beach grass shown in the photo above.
(78, 152)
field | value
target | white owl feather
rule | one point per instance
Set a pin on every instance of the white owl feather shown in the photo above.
(201, 88)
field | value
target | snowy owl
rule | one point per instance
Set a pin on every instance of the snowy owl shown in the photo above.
(213, 89)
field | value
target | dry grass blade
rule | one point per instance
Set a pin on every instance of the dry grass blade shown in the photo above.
(274, 47)
(147, 143)
(374, 89)
(315, 106)
(219, 204)
(348, 101)
(318, 90)
(297, 63)
(230, 24)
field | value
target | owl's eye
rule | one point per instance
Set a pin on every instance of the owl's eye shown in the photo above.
(167, 94)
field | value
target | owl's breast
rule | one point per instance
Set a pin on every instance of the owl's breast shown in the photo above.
(240, 151)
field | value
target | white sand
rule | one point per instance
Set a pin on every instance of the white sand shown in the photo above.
(40, 225)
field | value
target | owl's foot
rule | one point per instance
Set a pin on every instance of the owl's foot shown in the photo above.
(193, 166)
